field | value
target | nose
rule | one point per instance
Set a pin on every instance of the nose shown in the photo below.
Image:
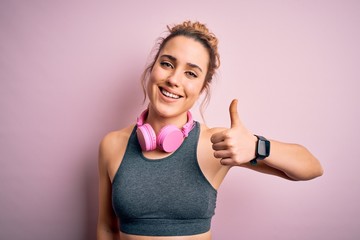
(174, 79)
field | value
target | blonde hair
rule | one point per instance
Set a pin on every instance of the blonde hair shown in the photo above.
(199, 32)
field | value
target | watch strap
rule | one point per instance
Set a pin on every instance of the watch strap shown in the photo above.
(265, 149)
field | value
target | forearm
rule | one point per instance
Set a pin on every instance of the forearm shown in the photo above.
(294, 160)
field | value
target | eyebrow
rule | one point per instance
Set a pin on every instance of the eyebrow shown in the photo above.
(172, 58)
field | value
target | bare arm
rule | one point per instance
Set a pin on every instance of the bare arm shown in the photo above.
(236, 147)
(107, 226)
(291, 161)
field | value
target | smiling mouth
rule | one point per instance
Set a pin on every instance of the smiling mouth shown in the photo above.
(169, 94)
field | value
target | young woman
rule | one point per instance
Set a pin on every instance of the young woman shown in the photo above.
(159, 177)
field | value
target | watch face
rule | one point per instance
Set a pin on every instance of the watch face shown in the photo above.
(263, 148)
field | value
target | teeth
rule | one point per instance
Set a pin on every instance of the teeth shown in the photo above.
(169, 94)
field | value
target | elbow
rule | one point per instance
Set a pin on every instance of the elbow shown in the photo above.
(305, 177)
(319, 172)
(316, 169)
(314, 175)
(311, 168)
(308, 174)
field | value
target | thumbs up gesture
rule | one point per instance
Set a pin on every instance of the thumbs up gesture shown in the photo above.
(236, 145)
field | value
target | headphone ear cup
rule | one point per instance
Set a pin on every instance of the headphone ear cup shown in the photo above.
(147, 137)
(170, 138)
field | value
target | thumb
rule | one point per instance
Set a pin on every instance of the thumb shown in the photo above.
(234, 116)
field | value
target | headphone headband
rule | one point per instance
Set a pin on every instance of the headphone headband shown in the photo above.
(185, 129)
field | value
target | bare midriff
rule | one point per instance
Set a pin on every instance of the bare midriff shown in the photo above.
(203, 236)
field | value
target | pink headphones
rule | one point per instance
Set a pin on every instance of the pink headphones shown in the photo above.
(169, 138)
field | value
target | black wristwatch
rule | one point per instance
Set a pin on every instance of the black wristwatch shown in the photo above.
(262, 149)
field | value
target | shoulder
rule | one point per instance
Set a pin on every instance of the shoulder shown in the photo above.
(210, 166)
(207, 132)
(205, 138)
(113, 142)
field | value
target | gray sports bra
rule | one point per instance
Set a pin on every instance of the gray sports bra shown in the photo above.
(163, 197)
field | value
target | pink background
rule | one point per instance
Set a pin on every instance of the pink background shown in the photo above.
(69, 73)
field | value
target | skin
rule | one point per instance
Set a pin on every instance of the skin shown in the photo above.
(181, 69)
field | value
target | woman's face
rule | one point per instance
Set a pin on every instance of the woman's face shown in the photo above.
(178, 76)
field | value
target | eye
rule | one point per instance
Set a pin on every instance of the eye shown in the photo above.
(191, 74)
(166, 64)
